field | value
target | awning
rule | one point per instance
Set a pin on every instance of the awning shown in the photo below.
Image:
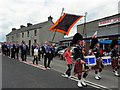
(107, 42)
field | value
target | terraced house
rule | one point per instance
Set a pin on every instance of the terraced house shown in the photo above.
(34, 33)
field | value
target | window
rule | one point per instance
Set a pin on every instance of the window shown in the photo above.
(28, 34)
(17, 35)
(8, 38)
(35, 32)
(35, 41)
(12, 38)
(22, 35)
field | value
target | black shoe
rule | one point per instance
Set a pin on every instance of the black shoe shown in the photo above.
(114, 71)
(49, 67)
(99, 77)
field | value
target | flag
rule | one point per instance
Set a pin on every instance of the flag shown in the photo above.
(95, 35)
(65, 23)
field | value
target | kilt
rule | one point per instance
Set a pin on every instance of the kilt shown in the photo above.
(115, 63)
(98, 64)
(77, 68)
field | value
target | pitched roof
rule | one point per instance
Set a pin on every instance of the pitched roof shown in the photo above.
(35, 26)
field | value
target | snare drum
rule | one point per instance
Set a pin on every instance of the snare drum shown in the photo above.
(106, 60)
(90, 60)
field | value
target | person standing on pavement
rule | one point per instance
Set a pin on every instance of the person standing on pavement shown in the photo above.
(115, 56)
(47, 52)
(69, 61)
(13, 51)
(17, 50)
(3, 48)
(33, 47)
(8, 49)
(80, 67)
(51, 54)
(42, 51)
(11, 47)
(39, 52)
(24, 49)
(36, 51)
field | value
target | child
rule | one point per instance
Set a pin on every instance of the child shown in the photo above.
(36, 54)
(68, 59)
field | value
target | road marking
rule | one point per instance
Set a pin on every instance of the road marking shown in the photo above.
(63, 75)
(87, 83)
(91, 83)
(34, 65)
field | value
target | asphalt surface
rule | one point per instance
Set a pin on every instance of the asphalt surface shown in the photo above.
(16, 74)
(108, 79)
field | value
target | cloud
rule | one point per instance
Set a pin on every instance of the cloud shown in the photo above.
(14, 13)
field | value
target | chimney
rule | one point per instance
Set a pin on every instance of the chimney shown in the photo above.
(29, 24)
(13, 29)
(22, 26)
(50, 18)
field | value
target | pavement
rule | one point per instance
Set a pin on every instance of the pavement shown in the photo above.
(108, 81)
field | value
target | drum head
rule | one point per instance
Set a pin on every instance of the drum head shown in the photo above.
(90, 60)
(106, 60)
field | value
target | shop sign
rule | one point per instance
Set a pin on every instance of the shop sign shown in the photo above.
(111, 21)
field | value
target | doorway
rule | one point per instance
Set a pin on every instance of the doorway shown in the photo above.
(29, 48)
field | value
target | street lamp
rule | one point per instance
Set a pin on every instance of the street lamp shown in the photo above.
(84, 29)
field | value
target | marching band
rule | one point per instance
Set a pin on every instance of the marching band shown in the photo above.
(83, 63)
(95, 59)
(115, 57)
(80, 67)
(96, 51)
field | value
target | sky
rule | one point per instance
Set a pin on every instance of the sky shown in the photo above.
(14, 13)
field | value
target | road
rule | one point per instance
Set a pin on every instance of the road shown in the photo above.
(108, 79)
(16, 74)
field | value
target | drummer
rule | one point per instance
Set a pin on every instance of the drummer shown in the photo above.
(79, 57)
(95, 50)
(115, 56)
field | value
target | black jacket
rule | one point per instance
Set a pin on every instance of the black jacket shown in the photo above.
(96, 52)
(114, 53)
(78, 53)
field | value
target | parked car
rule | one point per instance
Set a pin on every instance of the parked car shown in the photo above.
(57, 49)
(61, 52)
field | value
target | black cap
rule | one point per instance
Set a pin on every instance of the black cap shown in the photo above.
(77, 37)
(93, 42)
(113, 43)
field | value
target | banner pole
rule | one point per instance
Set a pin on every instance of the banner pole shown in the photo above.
(56, 29)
